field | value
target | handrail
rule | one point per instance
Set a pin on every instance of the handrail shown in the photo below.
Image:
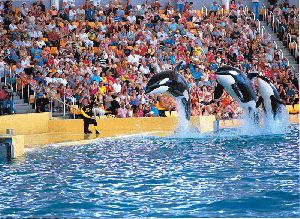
(221, 8)
(289, 39)
(275, 44)
(64, 105)
(280, 51)
(203, 6)
(258, 26)
(254, 18)
(5, 67)
(264, 14)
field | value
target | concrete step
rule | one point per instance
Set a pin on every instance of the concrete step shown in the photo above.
(24, 111)
(18, 101)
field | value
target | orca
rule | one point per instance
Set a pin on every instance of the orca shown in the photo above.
(237, 85)
(173, 83)
(269, 96)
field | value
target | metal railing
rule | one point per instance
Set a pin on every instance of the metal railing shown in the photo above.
(64, 105)
(29, 86)
(7, 71)
(277, 26)
(204, 8)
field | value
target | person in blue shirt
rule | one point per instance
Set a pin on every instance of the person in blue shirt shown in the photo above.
(172, 58)
(96, 77)
(196, 72)
(214, 7)
(213, 66)
(89, 15)
(173, 26)
(154, 109)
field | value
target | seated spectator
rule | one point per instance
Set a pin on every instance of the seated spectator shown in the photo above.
(6, 102)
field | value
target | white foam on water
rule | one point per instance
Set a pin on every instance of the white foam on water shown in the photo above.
(265, 125)
(184, 129)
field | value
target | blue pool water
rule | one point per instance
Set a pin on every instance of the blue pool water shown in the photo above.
(226, 175)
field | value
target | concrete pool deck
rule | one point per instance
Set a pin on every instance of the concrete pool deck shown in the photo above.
(39, 130)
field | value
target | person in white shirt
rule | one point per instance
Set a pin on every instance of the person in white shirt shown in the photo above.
(131, 18)
(72, 14)
(12, 27)
(98, 110)
(85, 38)
(161, 35)
(144, 69)
(40, 42)
(134, 58)
(80, 12)
(72, 26)
(117, 86)
(25, 63)
(24, 9)
(51, 25)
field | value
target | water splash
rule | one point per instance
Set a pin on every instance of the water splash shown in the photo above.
(266, 124)
(184, 129)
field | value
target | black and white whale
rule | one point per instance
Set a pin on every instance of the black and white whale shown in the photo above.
(238, 86)
(172, 83)
(269, 96)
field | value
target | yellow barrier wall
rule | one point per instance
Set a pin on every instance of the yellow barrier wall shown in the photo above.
(24, 124)
(118, 126)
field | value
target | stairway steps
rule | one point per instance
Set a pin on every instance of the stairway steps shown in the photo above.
(280, 46)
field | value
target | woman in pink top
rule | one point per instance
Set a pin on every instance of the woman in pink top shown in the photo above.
(94, 88)
(140, 111)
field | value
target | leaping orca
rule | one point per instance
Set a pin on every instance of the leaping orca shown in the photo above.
(173, 83)
(237, 85)
(269, 96)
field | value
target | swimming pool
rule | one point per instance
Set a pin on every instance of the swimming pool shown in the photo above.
(225, 175)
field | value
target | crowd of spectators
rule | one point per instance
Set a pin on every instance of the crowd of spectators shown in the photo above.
(107, 53)
(288, 21)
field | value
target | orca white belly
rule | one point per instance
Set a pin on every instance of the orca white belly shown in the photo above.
(266, 92)
(227, 81)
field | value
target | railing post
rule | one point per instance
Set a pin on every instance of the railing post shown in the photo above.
(64, 107)
(254, 18)
(51, 108)
(34, 95)
(28, 92)
(4, 71)
(275, 44)
(203, 6)
(73, 101)
(22, 88)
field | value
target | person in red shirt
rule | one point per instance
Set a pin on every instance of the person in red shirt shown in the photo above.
(110, 78)
(210, 56)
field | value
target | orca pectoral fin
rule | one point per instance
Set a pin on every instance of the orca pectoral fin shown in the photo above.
(218, 91)
(187, 107)
(252, 75)
(259, 101)
(237, 92)
(274, 104)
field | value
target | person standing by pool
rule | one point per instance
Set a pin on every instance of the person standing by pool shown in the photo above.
(87, 113)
